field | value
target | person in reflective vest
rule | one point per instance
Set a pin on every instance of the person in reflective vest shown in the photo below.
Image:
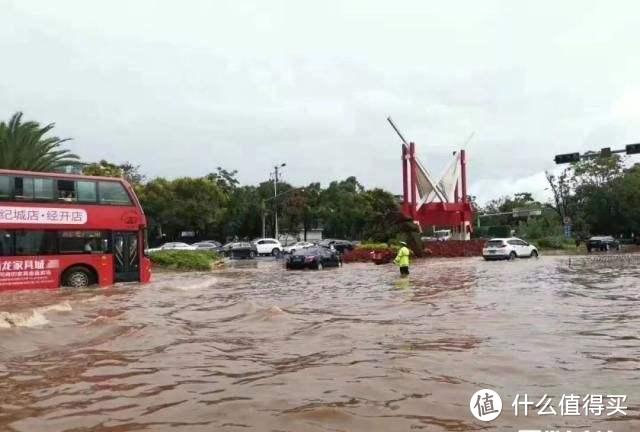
(402, 259)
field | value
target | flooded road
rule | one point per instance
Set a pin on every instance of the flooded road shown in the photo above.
(256, 348)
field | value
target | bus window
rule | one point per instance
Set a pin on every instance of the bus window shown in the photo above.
(6, 243)
(5, 187)
(43, 189)
(87, 191)
(23, 187)
(78, 242)
(35, 243)
(113, 193)
(67, 190)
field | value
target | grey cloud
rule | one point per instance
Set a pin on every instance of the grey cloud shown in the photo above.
(181, 90)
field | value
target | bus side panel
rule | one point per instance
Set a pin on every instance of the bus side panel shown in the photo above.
(37, 272)
(29, 272)
(102, 263)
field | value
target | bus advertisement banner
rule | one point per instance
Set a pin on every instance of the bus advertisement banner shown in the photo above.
(43, 215)
(18, 272)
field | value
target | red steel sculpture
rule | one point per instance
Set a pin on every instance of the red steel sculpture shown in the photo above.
(442, 204)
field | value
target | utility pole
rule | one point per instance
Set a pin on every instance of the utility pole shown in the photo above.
(264, 220)
(275, 195)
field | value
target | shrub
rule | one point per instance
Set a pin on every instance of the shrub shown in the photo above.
(184, 260)
(499, 231)
(555, 242)
(377, 246)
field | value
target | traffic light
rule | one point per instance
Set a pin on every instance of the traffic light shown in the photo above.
(567, 158)
(633, 148)
(605, 152)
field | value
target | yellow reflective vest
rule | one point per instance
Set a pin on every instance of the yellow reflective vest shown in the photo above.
(402, 259)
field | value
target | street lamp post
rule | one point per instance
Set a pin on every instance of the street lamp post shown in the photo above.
(275, 194)
(264, 207)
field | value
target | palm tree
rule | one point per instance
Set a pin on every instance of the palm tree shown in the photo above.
(23, 146)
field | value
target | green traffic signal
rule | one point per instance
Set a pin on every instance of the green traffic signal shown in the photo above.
(567, 158)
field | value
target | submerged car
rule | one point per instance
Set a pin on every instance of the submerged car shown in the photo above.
(267, 246)
(602, 243)
(341, 246)
(172, 246)
(237, 250)
(211, 245)
(313, 258)
(297, 246)
(508, 249)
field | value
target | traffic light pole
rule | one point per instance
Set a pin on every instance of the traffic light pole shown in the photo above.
(603, 153)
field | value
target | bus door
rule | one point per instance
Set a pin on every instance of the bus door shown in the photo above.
(126, 254)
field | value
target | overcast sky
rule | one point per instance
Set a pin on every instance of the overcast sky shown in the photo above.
(183, 87)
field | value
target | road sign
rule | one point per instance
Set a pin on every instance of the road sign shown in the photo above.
(567, 231)
(525, 212)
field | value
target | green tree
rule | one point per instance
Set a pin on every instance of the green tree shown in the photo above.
(102, 168)
(226, 180)
(126, 170)
(382, 210)
(595, 202)
(627, 190)
(244, 214)
(343, 209)
(184, 204)
(24, 146)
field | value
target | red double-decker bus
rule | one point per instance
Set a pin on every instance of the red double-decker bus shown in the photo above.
(69, 230)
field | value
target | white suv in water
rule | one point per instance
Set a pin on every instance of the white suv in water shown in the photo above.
(508, 248)
(268, 246)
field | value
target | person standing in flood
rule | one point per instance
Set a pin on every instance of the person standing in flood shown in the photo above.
(402, 259)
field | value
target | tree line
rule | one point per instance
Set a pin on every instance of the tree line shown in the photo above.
(216, 206)
(597, 196)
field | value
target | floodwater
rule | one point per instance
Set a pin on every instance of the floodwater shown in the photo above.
(256, 348)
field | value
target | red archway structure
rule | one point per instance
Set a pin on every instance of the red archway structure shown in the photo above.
(429, 203)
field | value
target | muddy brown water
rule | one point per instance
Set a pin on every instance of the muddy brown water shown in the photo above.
(256, 348)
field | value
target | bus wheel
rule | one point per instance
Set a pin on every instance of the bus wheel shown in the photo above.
(77, 277)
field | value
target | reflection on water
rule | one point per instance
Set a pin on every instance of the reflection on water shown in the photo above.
(254, 347)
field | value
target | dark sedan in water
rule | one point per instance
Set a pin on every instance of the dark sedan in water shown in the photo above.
(240, 250)
(341, 246)
(313, 258)
(602, 243)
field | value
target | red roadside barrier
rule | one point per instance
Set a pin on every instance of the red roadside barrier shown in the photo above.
(432, 249)
(376, 255)
(454, 248)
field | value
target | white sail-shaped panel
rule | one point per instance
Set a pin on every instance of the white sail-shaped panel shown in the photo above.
(449, 179)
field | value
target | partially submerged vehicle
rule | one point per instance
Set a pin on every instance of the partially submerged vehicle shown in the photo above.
(602, 243)
(314, 257)
(210, 245)
(172, 246)
(267, 246)
(341, 246)
(296, 246)
(239, 250)
(508, 249)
